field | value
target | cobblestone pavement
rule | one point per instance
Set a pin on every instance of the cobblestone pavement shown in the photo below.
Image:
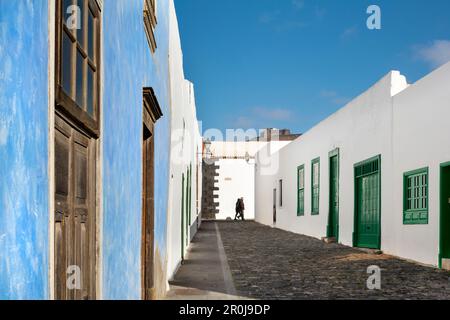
(269, 263)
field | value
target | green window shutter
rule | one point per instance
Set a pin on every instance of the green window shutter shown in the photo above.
(415, 197)
(301, 191)
(315, 186)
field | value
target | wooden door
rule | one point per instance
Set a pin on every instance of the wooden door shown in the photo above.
(367, 205)
(333, 221)
(75, 252)
(151, 113)
(148, 213)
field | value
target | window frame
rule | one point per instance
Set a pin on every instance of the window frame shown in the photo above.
(315, 211)
(409, 215)
(66, 102)
(150, 23)
(300, 208)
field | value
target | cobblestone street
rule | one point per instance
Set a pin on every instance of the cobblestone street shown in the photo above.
(269, 263)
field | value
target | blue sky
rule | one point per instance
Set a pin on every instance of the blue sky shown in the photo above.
(291, 63)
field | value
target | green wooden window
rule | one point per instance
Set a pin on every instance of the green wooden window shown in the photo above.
(301, 191)
(415, 198)
(315, 186)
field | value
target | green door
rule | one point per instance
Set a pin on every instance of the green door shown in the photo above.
(445, 214)
(182, 219)
(187, 222)
(367, 204)
(333, 220)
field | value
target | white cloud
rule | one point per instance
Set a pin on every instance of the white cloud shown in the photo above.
(244, 122)
(349, 33)
(320, 12)
(262, 117)
(435, 54)
(334, 97)
(277, 114)
(298, 4)
(278, 23)
(268, 17)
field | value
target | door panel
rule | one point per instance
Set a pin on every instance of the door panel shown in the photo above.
(182, 218)
(367, 206)
(74, 212)
(445, 214)
(333, 225)
(148, 218)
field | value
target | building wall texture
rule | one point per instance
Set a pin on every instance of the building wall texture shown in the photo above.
(25, 124)
(231, 177)
(186, 146)
(24, 182)
(128, 67)
(406, 126)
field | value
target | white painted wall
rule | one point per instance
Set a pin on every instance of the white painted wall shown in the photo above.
(406, 125)
(236, 180)
(186, 148)
(421, 134)
(236, 177)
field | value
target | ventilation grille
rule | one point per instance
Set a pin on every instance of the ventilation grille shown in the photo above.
(368, 168)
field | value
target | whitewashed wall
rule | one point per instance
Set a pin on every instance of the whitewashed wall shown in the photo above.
(236, 180)
(236, 176)
(407, 126)
(361, 130)
(186, 148)
(420, 139)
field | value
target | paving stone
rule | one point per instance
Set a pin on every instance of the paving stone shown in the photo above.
(268, 263)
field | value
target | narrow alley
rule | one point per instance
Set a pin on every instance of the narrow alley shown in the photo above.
(134, 134)
(272, 264)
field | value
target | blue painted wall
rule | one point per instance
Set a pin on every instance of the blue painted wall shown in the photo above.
(128, 67)
(23, 149)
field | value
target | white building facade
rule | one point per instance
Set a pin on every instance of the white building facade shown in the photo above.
(372, 175)
(186, 156)
(235, 174)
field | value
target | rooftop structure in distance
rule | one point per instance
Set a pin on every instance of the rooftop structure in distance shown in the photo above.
(270, 134)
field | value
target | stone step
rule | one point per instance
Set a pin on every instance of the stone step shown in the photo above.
(371, 251)
(329, 240)
(446, 264)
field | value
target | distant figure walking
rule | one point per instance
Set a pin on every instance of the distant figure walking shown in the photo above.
(240, 207)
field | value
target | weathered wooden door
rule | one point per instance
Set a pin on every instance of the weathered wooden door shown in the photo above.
(151, 113)
(445, 217)
(148, 212)
(75, 252)
(367, 204)
(333, 221)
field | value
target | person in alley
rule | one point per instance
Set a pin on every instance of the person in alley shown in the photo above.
(240, 207)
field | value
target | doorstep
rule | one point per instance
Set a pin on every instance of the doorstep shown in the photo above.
(329, 240)
(446, 264)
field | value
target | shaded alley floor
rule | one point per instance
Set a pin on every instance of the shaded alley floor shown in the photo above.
(267, 263)
(205, 274)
